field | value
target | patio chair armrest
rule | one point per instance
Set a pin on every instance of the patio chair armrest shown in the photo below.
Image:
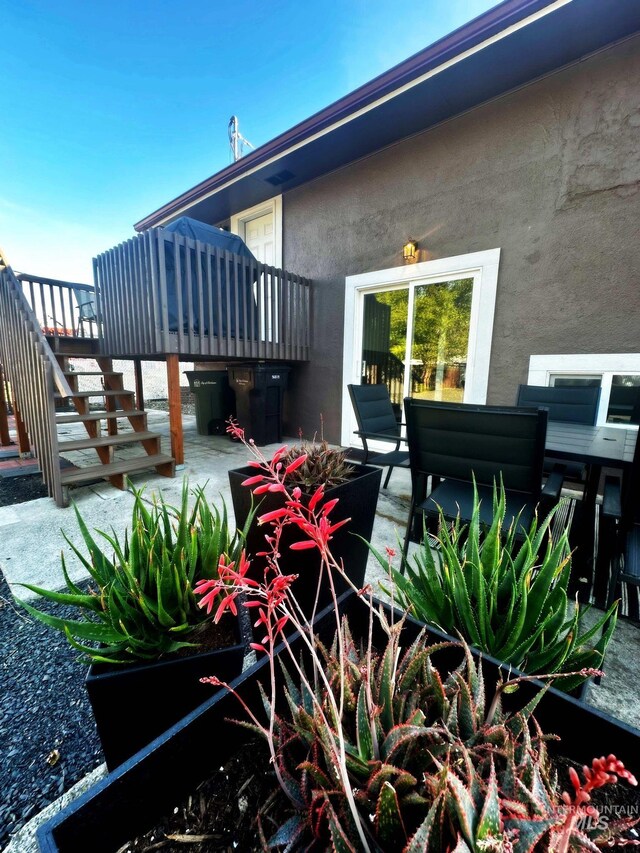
(612, 498)
(381, 436)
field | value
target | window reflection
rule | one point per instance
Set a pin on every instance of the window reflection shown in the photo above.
(624, 400)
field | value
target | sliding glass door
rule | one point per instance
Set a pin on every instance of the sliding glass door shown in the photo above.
(415, 339)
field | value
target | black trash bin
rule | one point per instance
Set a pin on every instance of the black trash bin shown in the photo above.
(215, 400)
(259, 390)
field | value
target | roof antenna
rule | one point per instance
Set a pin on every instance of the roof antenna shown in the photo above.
(237, 140)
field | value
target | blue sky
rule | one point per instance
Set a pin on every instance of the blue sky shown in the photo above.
(110, 109)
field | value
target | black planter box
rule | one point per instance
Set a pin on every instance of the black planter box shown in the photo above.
(134, 703)
(358, 500)
(130, 800)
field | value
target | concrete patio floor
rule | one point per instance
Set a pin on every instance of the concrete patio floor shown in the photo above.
(31, 541)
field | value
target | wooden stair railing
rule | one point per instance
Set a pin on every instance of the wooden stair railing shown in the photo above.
(33, 373)
(38, 381)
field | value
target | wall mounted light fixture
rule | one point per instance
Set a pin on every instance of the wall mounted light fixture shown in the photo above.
(410, 250)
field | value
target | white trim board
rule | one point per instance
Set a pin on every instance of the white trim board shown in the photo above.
(481, 266)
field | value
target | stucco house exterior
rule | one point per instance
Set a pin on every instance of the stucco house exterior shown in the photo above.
(509, 153)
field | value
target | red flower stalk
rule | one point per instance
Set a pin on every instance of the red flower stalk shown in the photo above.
(603, 771)
(273, 597)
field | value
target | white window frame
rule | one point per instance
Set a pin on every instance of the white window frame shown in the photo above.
(605, 365)
(481, 266)
(238, 223)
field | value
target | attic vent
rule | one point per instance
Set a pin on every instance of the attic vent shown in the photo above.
(280, 178)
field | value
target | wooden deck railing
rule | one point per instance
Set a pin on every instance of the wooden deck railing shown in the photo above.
(33, 372)
(162, 293)
(64, 308)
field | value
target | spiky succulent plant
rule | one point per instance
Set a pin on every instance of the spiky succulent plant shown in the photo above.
(505, 590)
(141, 603)
(324, 465)
(433, 765)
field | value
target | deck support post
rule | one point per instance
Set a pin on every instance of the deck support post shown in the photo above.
(24, 445)
(5, 438)
(137, 370)
(175, 408)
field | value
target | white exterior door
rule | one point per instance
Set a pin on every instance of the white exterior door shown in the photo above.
(259, 235)
(260, 238)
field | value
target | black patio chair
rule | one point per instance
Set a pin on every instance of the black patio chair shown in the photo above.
(576, 404)
(453, 443)
(619, 539)
(377, 422)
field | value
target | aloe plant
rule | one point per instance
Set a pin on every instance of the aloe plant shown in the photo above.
(322, 464)
(376, 749)
(434, 762)
(141, 604)
(505, 592)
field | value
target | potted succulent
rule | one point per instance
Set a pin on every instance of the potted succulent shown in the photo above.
(485, 774)
(381, 736)
(321, 478)
(140, 627)
(506, 594)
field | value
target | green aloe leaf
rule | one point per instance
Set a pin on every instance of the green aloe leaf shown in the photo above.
(528, 832)
(363, 727)
(388, 819)
(80, 599)
(339, 837)
(421, 841)
(401, 736)
(489, 822)
(464, 807)
(96, 631)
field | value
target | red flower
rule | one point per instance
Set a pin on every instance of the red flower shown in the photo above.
(292, 466)
(303, 546)
(317, 495)
(251, 481)
(273, 515)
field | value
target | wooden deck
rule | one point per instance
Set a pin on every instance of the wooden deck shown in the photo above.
(162, 293)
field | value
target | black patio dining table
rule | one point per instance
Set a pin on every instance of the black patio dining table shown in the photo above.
(594, 445)
(597, 447)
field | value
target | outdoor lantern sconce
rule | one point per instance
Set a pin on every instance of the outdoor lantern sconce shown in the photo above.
(410, 250)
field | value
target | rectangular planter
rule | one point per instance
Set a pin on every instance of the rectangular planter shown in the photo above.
(134, 703)
(131, 799)
(358, 500)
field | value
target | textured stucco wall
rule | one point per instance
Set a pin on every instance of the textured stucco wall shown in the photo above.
(549, 174)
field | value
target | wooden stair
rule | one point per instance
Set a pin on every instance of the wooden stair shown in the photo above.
(117, 405)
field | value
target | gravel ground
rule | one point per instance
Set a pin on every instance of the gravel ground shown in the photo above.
(48, 740)
(15, 490)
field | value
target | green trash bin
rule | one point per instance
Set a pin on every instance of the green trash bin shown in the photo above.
(215, 400)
